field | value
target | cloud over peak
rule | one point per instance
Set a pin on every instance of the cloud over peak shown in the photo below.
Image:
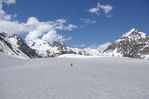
(47, 30)
(32, 21)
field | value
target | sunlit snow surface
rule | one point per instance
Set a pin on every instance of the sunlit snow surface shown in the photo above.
(86, 78)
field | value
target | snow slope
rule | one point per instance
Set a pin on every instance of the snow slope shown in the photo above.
(87, 78)
(8, 60)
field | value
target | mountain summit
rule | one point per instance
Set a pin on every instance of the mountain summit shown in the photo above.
(133, 44)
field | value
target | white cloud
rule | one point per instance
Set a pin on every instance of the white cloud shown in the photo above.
(37, 29)
(48, 30)
(12, 27)
(106, 8)
(95, 10)
(61, 25)
(7, 24)
(54, 36)
(32, 21)
(3, 14)
(88, 21)
(101, 7)
(9, 1)
(61, 21)
(69, 27)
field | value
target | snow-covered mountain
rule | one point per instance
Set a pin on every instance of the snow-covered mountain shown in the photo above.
(133, 44)
(14, 45)
(46, 49)
(86, 51)
(92, 52)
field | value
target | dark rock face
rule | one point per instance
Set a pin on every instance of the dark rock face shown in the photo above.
(25, 48)
(2, 36)
(131, 44)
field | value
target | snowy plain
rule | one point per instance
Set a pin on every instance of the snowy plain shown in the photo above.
(87, 78)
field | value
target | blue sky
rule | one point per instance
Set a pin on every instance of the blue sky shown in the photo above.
(99, 29)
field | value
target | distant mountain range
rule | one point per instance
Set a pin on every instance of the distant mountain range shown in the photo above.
(134, 44)
(14, 45)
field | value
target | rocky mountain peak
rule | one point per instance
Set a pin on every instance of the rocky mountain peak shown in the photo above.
(134, 35)
(130, 44)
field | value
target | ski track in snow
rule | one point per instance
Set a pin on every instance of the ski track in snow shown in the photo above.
(87, 78)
